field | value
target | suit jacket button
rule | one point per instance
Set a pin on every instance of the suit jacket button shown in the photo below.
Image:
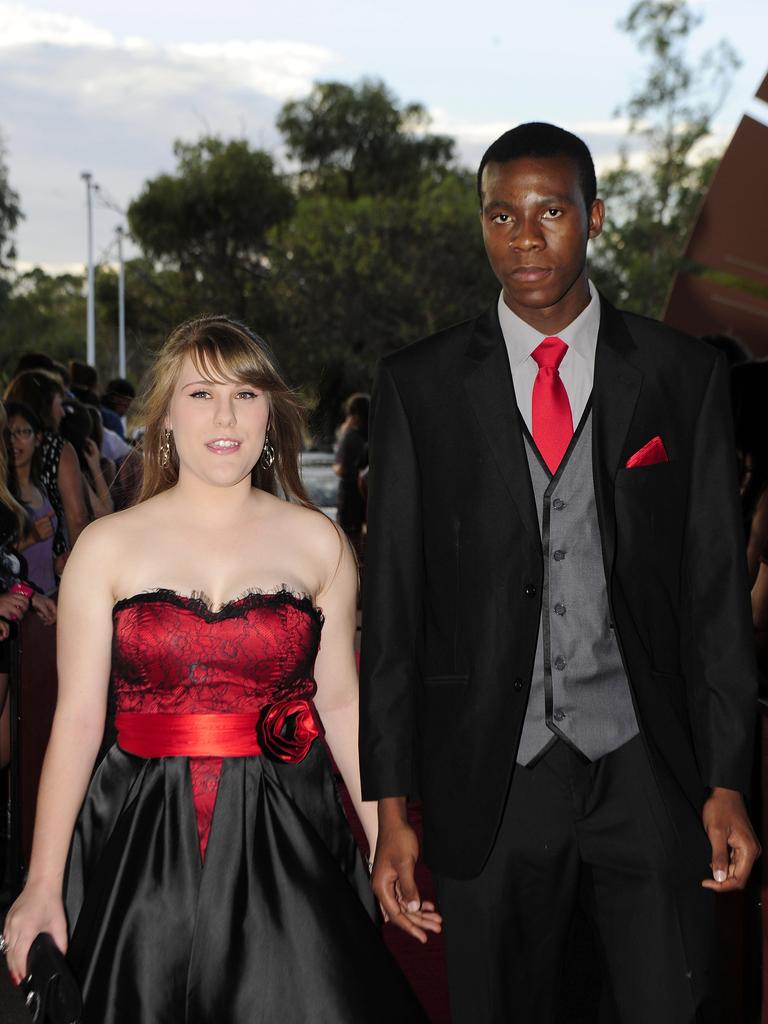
(530, 590)
(518, 684)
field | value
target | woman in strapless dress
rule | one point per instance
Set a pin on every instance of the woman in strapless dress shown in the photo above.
(204, 871)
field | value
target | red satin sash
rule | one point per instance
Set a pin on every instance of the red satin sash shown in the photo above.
(209, 735)
(284, 731)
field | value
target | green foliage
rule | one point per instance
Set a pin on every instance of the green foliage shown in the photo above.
(10, 215)
(357, 140)
(43, 314)
(358, 278)
(211, 221)
(651, 209)
(46, 313)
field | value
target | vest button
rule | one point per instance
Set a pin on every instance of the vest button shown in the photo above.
(559, 556)
(560, 663)
(559, 716)
(559, 504)
(559, 609)
(530, 590)
(518, 684)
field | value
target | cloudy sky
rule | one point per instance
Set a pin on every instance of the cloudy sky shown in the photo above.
(107, 87)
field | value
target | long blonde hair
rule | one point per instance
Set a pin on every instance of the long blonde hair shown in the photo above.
(222, 349)
(6, 498)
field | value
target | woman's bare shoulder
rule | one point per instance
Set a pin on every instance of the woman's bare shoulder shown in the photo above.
(309, 531)
(310, 522)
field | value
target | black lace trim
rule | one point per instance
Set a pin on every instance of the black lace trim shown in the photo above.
(199, 602)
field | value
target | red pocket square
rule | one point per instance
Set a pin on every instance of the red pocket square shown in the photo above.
(649, 454)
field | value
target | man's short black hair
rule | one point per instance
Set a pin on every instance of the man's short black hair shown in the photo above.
(539, 139)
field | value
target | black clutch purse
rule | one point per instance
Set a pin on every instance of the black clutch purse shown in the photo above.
(51, 990)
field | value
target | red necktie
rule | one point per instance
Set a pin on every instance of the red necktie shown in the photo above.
(552, 420)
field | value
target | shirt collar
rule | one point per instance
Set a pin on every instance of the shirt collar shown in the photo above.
(580, 335)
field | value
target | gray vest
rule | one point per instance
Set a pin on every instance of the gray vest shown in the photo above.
(579, 690)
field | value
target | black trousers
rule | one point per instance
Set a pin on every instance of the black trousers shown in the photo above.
(631, 849)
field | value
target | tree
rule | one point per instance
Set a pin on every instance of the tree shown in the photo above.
(651, 209)
(155, 300)
(10, 215)
(211, 221)
(357, 140)
(46, 313)
(358, 278)
(43, 313)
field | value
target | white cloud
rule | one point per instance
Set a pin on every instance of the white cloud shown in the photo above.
(76, 95)
(279, 69)
(105, 67)
(477, 132)
(20, 26)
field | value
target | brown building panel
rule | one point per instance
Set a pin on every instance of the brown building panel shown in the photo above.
(700, 307)
(731, 232)
(730, 236)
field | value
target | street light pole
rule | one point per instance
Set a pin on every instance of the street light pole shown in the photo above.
(120, 303)
(90, 356)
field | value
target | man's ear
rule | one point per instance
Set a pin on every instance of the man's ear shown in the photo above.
(596, 218)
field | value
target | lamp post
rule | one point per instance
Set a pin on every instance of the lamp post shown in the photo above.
(120, 302)
(90, 350)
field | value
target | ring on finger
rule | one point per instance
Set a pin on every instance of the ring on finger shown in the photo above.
(3, 945)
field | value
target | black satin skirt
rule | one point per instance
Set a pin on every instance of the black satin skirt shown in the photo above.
(278, 926)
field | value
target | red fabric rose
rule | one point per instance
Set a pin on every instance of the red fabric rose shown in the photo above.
(287, 730)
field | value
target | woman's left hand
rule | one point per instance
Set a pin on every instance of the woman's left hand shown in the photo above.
(45, 609)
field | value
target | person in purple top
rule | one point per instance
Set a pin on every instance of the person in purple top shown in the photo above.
(24, 433)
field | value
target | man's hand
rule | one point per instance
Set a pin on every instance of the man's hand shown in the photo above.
(392, 878)
(734, 844)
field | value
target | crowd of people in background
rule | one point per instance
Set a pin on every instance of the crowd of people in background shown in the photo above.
(64, 462)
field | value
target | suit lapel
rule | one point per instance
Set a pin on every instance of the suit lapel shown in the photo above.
(616, 389)
(488, 383)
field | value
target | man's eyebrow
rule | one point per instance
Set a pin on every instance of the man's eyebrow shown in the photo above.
(541, 200)
(498, 203)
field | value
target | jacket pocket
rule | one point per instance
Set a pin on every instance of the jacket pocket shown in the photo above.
(657, 472)
(456, 680)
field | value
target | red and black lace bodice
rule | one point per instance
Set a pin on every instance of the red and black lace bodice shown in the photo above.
(173, 654)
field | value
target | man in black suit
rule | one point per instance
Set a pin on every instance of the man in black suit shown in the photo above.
(557, 652)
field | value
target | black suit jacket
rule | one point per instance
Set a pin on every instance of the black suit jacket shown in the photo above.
(453, 572)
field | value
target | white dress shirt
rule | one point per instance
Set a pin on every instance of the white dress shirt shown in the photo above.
(577, 370)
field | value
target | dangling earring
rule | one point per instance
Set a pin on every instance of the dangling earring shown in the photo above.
(267, 453)
(165, 448)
